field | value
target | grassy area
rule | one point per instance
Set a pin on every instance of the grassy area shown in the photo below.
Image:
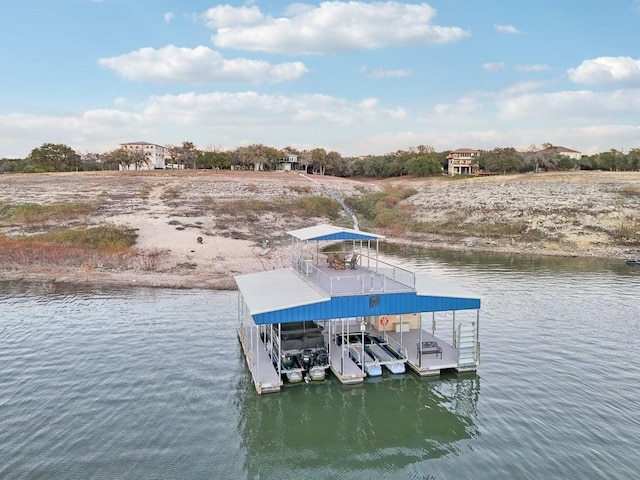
(311, 206)
(383, 209)
(109, 246)
(106, 238)
(33, 213)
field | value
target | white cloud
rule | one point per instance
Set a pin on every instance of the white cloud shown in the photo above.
(329, 27)
(524, 87)
(168, 17)
(493, 66)
(246, 108)
(582, 106)
(607, 71)
(298, 9)
(219, 117)
(224, 16)
(464, 106)
(378, 73)
(198, 66)
(532, 68)
(508, 29)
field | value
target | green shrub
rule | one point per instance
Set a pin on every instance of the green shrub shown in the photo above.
(365, 206)
(318, 206)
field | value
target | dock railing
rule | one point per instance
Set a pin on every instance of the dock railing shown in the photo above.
(397, 346)
(370, 276)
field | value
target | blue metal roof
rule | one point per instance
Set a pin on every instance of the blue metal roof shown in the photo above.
(282, 296)
(367, 305)
(307, 293)
(332, 233)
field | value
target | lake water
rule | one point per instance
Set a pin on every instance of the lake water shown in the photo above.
(151, 384)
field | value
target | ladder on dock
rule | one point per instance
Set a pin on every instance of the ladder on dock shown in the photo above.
(467, 347)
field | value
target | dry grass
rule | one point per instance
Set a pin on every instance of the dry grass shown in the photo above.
(311, 206)
(33, 213)
(88, 248)
(630, 191)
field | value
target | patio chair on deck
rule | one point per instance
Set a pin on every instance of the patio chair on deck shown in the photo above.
(338, 261)
(330, 258)
(353, 261)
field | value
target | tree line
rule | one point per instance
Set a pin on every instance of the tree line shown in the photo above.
(420, 161)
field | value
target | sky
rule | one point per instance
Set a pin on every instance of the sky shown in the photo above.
(356, 77)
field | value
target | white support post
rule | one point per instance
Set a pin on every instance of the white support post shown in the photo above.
(433, 323)
(453, 324)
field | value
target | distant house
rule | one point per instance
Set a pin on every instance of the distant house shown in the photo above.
(567, 152)
(154, 155)
(463, 162)
(289, 162)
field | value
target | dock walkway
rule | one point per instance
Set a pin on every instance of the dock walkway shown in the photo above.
(265, 375)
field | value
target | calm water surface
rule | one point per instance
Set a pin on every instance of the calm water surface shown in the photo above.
(151, 384)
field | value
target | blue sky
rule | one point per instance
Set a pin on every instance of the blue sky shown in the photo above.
(355, 77)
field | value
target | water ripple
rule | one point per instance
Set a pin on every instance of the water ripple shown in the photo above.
(150, 383)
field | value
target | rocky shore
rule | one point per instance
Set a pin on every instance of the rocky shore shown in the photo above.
(204, 227)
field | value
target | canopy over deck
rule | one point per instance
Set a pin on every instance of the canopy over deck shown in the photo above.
(274, 290)
(282, 296)
(330, 233)
(310, 291)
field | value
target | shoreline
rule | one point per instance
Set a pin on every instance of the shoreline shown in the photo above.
(201, 230)
(202, 281)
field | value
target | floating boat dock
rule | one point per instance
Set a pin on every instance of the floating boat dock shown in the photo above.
(350, 312)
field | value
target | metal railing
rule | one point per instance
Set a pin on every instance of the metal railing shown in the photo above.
(371, 276)
(397, 346)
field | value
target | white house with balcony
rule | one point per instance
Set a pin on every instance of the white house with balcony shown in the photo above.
(288, 162)
(154, 155)
(463, 162)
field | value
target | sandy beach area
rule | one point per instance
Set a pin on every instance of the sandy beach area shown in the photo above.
(196, 234)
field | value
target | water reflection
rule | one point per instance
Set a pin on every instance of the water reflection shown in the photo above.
(417, 256)
(384, 425)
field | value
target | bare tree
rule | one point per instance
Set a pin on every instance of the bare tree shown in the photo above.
(253, 157)
(139, 159)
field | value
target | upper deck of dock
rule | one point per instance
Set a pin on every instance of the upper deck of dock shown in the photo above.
(365, 275)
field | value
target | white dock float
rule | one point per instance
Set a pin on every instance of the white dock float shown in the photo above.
(265, 376)
(429, 365)
(351, 373)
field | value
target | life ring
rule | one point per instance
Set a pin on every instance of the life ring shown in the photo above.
(384, 321)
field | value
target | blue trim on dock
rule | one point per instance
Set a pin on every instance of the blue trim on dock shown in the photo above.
(367, 305)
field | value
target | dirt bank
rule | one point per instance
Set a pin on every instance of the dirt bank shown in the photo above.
(204, 227)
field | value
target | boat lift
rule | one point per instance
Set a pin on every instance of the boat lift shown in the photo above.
(351, 303)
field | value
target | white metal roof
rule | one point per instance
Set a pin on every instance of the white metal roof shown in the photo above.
(273, 290)
(318, 232)
(438, 287)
